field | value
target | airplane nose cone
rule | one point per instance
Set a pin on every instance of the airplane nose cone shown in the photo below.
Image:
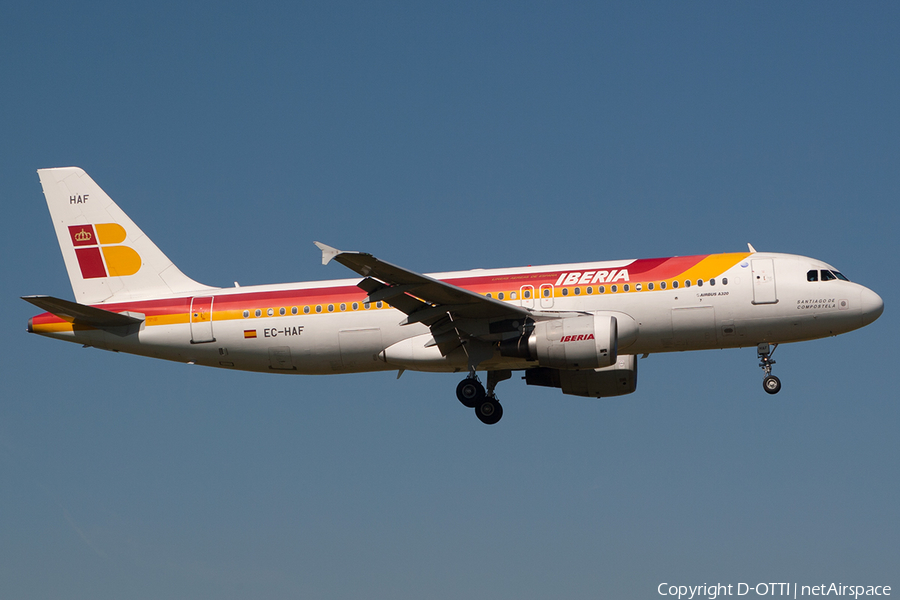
(871, 304)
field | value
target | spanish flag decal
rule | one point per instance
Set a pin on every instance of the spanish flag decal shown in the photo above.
(249, 334)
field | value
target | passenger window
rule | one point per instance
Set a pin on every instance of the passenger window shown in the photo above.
(602, 289)
(271, 312)
(565, 291)
(649, 286)
(662, 285)
(500, 296)
(674, 284)
(590, 290)
(512, 295)
(258, 312)
(812, 275)
(577, 291)
(331, 308)
(827, 275)
(355, 306)
(724, 281)
(546, 292)
(712, 281)
(282, 311)
(379, 304)
(527, 293)
(625, 288)
(637, 287)
(246, 313)
(699, 283)
(294, 310)
(367, 305)
(343, 307)
(305, 310)
(687, 283)
(318, 308)
(614, 288)
(488, 295)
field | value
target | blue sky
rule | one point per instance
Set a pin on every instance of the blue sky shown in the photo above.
(441, 137)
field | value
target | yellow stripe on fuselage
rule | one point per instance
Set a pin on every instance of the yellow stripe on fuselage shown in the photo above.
(174, 319)
(713, 265)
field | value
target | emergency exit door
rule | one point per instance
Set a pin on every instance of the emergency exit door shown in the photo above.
(764, 281)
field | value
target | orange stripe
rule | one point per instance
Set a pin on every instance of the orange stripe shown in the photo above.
(714, 265)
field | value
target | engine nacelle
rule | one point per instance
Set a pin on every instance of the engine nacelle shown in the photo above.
(587, 342)
(614, 380)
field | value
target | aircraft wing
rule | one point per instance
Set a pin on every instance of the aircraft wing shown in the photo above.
(424, 299)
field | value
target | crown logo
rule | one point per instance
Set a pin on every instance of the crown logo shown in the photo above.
(83, 236)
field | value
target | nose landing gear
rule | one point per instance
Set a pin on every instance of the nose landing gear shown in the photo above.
(771, 384)
(472, 394)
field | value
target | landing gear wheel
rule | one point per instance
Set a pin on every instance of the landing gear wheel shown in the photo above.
(771, 384)
(765, 351)
(470, 392)
(489, 411)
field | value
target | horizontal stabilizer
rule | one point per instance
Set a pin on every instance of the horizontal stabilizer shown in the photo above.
(81, 314)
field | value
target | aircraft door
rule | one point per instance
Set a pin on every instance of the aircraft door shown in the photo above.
(547, 295)
(280, 359)
(201, 320)
(694, 326)
(764, 281)
(526, 293)
(360, 347)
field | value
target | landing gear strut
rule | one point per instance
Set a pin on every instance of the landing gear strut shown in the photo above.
(770, 383)
(473, 395)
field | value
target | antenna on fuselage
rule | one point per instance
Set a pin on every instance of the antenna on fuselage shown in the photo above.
(752, 249)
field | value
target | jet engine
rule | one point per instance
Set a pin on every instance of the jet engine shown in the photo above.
(614, 380)
(585, 342)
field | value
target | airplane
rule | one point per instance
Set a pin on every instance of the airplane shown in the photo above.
(576, 327)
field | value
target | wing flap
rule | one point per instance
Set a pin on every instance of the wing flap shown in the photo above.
(425, 299)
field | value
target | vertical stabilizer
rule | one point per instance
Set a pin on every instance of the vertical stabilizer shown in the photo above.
(107, 256)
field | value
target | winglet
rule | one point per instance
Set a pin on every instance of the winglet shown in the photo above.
(752, 249)
(327, 252)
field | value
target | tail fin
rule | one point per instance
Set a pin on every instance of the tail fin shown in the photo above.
(107, 256)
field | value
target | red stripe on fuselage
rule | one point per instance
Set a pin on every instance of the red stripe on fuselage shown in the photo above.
(651, 269)
(648, 269)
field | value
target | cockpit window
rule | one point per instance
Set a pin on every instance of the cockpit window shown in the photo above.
(826, 275)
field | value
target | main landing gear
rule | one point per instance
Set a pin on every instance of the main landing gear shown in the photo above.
(770, 383)
(473, 395)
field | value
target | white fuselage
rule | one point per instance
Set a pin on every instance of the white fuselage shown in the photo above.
(761, 298)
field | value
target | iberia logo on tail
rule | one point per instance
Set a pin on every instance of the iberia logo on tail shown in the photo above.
(99, 251)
